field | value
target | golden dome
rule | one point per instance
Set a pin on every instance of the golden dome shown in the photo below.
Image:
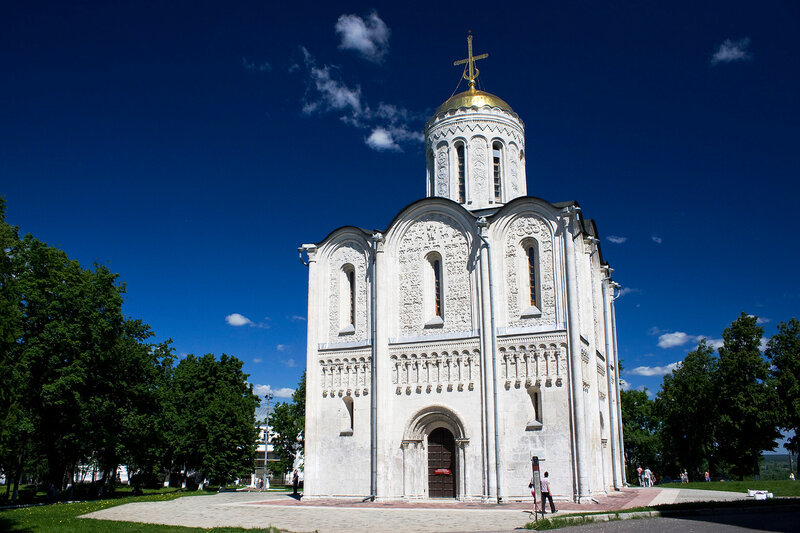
(473, 98)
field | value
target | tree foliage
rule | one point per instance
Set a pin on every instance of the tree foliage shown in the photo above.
(783, 350)
(80, 383)
(640, 431)
(288, 422)
(212, 407)
(748, 417)
(686, 406)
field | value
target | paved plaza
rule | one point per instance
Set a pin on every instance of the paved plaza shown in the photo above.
(281, 510)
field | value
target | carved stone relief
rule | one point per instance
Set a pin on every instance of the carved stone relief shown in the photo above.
(442, 173)
(348, 254)
(513, 156)
(478, 171)
(529, 226)
(434, 233)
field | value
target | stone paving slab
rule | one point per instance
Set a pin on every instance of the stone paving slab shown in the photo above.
(261, 510)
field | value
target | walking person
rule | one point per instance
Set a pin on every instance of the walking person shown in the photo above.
(648, 477)
(545, 484)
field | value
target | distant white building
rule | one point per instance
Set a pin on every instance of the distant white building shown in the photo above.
(264, 449)
(473, 333)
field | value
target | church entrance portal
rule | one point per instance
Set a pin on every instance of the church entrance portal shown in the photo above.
(441, 464)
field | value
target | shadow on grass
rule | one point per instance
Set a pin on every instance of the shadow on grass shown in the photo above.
(771, 515)
(10, 524)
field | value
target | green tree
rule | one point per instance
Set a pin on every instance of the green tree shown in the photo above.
(783, 350)
(288, 424)
(640, 431)
(211, 418)
(686, 406)
(71, 321)
(748, 420)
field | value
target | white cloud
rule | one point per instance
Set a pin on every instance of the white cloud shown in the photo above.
(381, 140)
(763, 344)
(250, 65)
(281, 347)
(370, 37)
(298, 318)
(714, 343)
(657, 239)
(263, 390)
(655, 330)
(237, 320)
(257, 359)
(290, 363)
(388, 124)
(628, 290)
(654, 370)
(670, 340)
(333, 94)
(616, 239)
(763, 320)
(730, 51)
(647, 391)
(624, 385)
(679, 338)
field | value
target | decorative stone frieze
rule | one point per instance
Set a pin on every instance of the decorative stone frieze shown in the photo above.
(345, 373)
(526, 364)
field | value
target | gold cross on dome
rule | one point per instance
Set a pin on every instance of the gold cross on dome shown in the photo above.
(472, 72)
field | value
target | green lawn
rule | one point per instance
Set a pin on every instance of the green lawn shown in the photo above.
(63, 518)
(778, 488)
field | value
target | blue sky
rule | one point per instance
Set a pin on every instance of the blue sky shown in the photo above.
(193, 146)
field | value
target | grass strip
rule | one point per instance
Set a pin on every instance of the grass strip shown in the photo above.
(63, 518)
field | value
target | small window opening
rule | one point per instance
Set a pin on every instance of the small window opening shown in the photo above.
(437, 286)
(347, 417)
(462, 185)
(536, 402)
(496, 158)
(532, 274)
(351, 276)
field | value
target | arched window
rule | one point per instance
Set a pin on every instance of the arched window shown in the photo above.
(530, 287)
(347, 300)
(497, 157)
(462, 181)
(347, 417)
(434, 290)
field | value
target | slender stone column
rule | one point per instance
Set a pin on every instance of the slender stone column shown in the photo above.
(381, 367)
(313, 457)
(610, 380)
(619, 405)
(576, 383)
(487, 384)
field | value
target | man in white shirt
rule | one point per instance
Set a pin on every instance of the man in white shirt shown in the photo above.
(545, 484)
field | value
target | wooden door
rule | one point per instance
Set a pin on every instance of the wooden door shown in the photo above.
(441, 464)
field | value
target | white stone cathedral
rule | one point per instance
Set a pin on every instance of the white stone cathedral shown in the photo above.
(476, 332)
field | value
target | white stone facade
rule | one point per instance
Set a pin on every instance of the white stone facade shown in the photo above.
(474, 296)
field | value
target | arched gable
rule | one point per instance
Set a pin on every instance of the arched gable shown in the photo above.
(344, 259)
(434, 229)
(525, 242)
